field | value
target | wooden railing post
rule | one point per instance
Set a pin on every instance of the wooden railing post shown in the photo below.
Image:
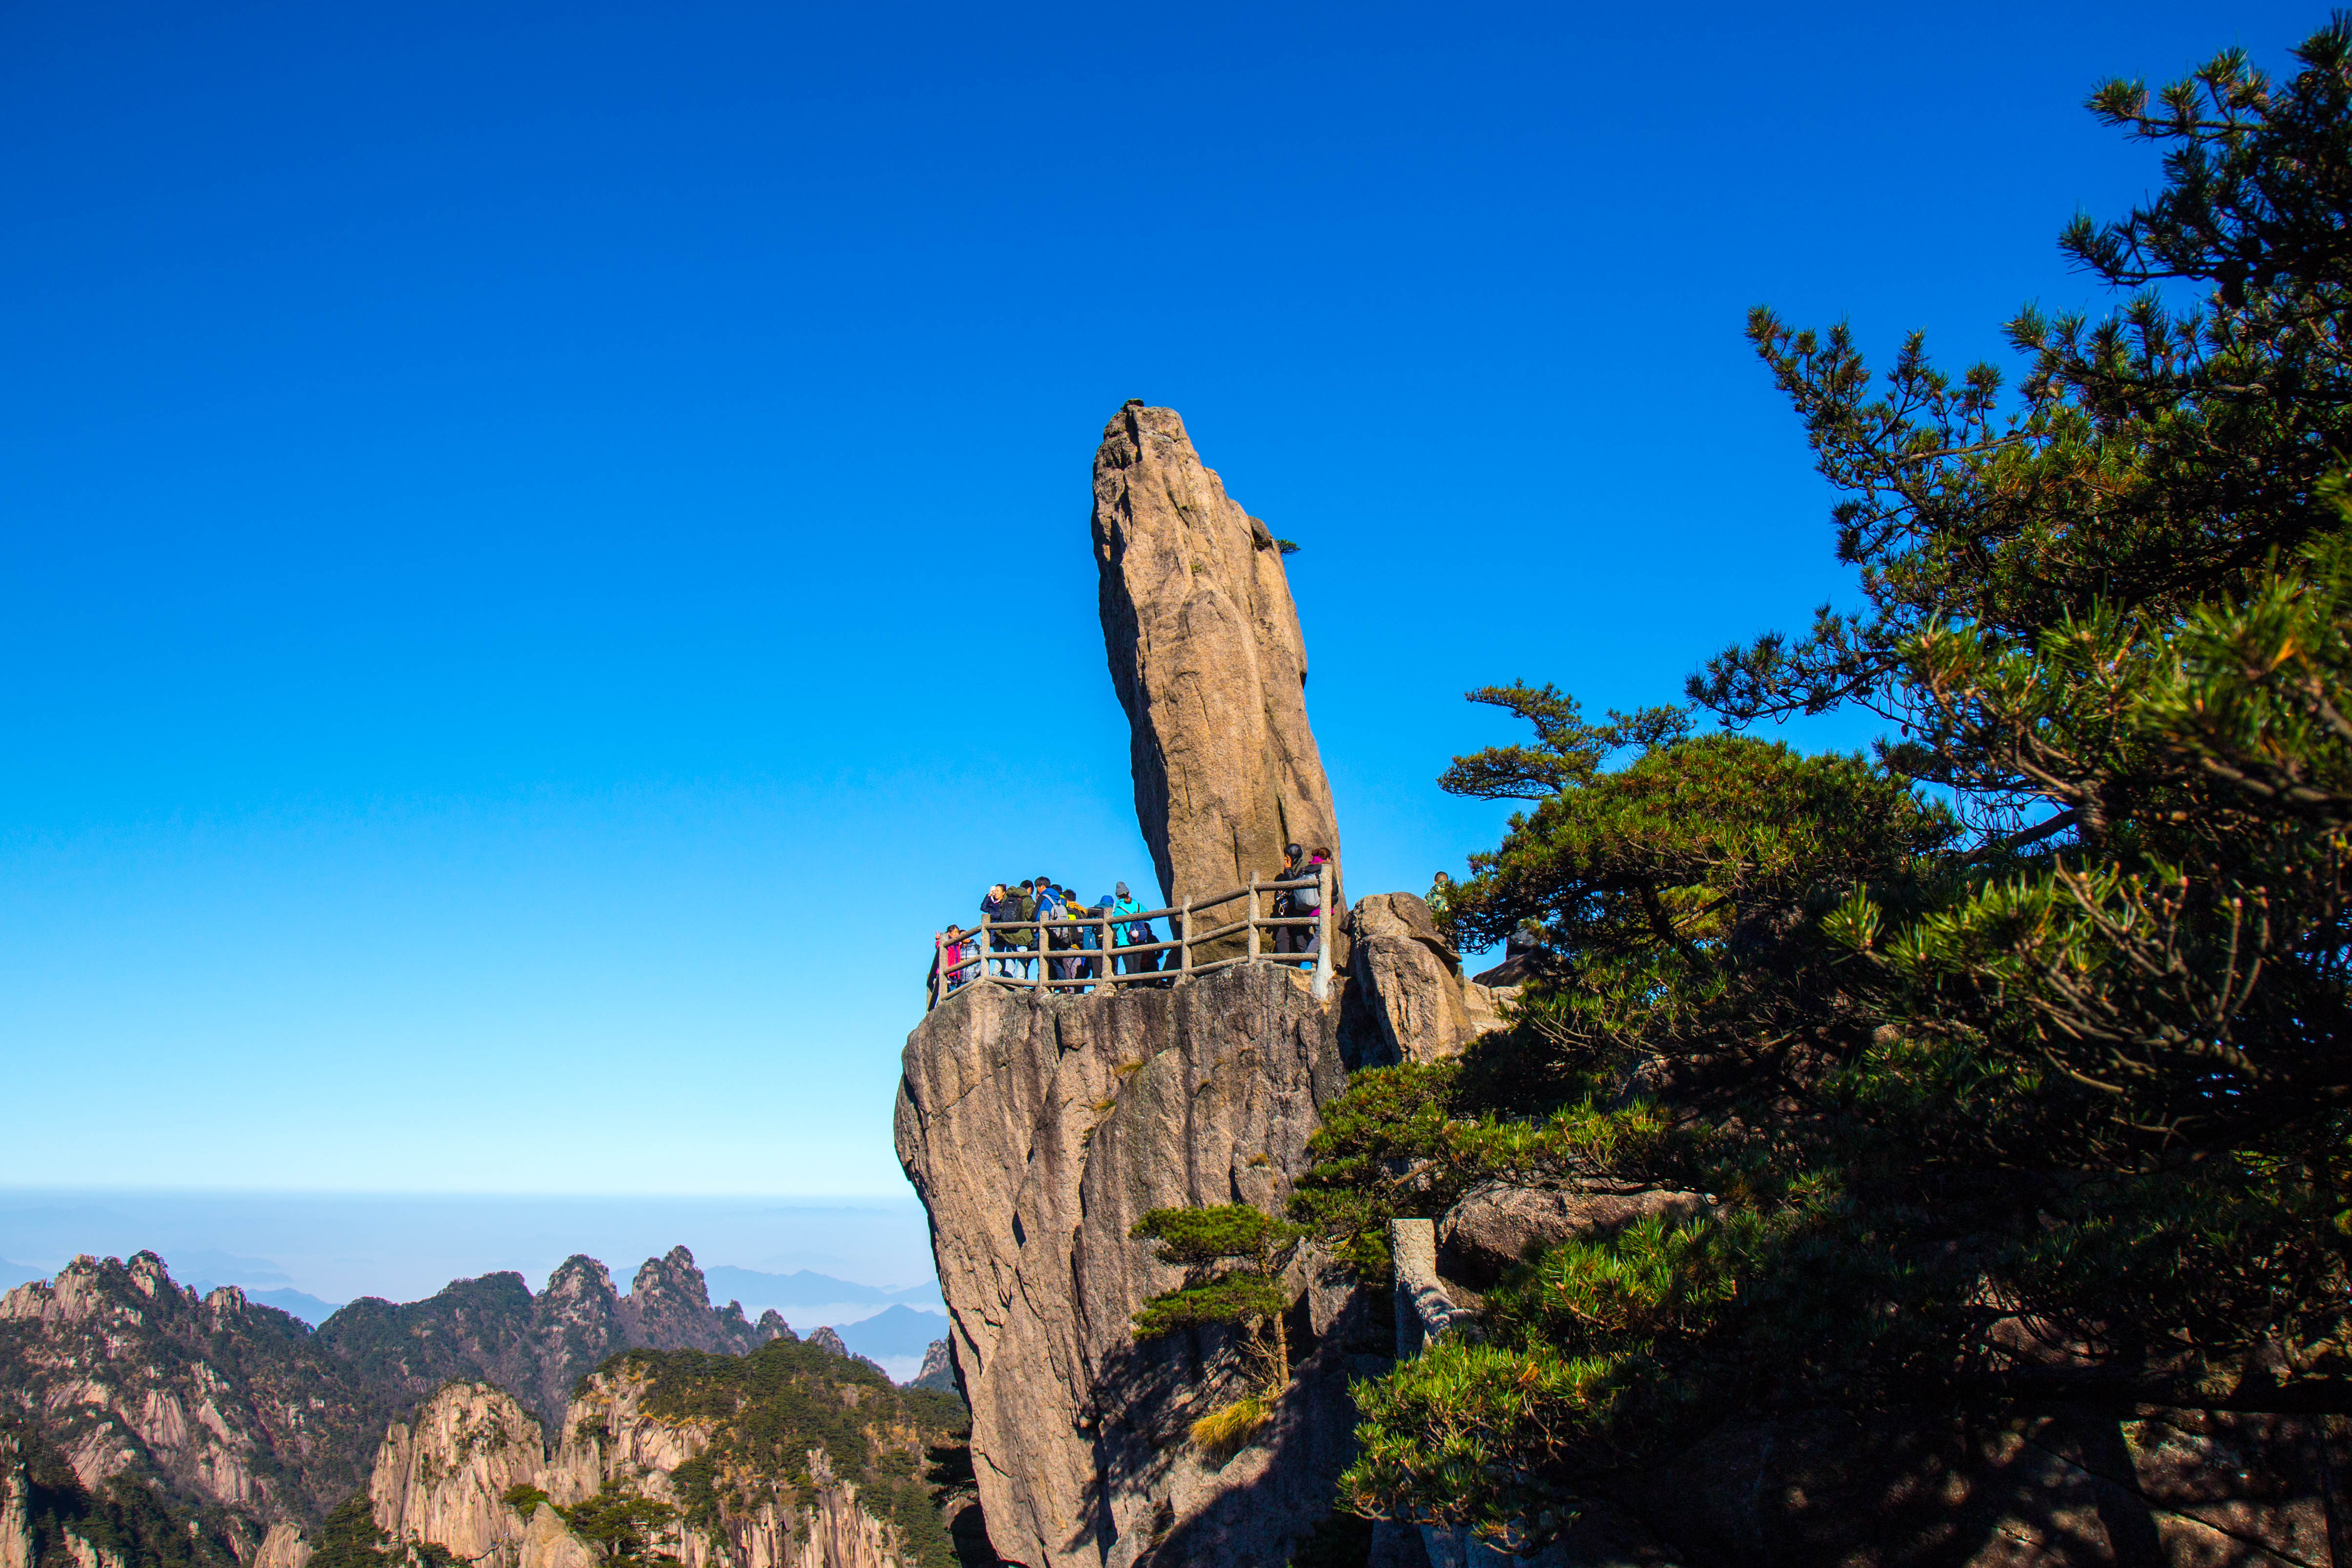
(982, 947)
(1322, 989)
(938, 968)
(1185, 950)
(1253, 915)
(1108, 962)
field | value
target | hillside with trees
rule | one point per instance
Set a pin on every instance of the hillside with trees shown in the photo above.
(2011, 1056)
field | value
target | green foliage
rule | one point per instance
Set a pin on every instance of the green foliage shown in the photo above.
(523, 1498)
(624, 1526)
(350, 1539)
(127, 1519)
(2034, 1087)
(772, 1406)
(1233, 1256)
(1235, 1298)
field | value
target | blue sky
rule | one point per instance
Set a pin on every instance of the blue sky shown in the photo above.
(503, 504)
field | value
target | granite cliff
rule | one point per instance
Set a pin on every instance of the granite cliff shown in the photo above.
(1038, 1129)
(787, 1458)
(1207, 656)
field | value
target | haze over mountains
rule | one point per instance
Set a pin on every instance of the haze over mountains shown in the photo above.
(338, 1247)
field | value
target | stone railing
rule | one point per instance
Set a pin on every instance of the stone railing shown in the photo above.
(1026, 953)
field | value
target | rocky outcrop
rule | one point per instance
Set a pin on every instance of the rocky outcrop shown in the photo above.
(1037, 1131)
(1206, 655)
(16, 1507)
(937, 1371)
(443, 1476)
(1410, 983)
(49, 1520)
(1497, 1226)
(283, 1547)
(548, 1543)
(493, 1330)
(835, 1532)
(216, 1401)
(220, 1403)
(668, 1308)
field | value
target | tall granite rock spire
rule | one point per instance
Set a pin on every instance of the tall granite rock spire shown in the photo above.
(1205, 652)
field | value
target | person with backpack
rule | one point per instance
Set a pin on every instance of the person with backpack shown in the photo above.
(1133, 933)
(1014, 905)
(1309, 901)
(1049, 907)
(1287, 938)
(1100, 939)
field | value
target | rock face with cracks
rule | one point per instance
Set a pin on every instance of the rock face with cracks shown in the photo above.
(1037, 1131)
(1207, 658)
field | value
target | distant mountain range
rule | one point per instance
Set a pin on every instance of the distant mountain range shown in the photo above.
(802, 1296)
(899, 1334)
(812, 1297)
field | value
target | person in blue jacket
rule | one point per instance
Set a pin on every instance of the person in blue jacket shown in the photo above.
(1131, 933)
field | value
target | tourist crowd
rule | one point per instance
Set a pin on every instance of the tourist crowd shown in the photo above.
(1077, 951)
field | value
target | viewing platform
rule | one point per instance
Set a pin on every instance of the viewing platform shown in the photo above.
(1024, 953)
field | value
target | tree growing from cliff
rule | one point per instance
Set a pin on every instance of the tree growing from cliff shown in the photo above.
(2031, 1084)
(1233, 1256)
(624, 1526)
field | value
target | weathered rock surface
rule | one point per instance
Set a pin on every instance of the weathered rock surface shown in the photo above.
(17, 1549)
(1410, 980)
(1037, 1131)
(443, 1476)
(283, 1547)
(216, 1401)
(1496, 1226)
(1208, 659)
(548, 1542)
(937, 1371)
(220, 1404)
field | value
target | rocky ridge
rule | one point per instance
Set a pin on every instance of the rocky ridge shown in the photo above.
(245, 1420)
(493, 1330)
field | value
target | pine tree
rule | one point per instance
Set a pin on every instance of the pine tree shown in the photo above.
(1233, 1257)
(2014, 1055)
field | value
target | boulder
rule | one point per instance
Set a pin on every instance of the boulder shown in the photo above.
(1410, 978)
(1496, 1226)
(1206, 655)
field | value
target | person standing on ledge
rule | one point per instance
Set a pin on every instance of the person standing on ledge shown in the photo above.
(1441, 905)
(1309, 901)
(1131, 932)
(1289, 939)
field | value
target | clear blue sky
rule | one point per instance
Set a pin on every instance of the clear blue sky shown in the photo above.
(504, 503)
